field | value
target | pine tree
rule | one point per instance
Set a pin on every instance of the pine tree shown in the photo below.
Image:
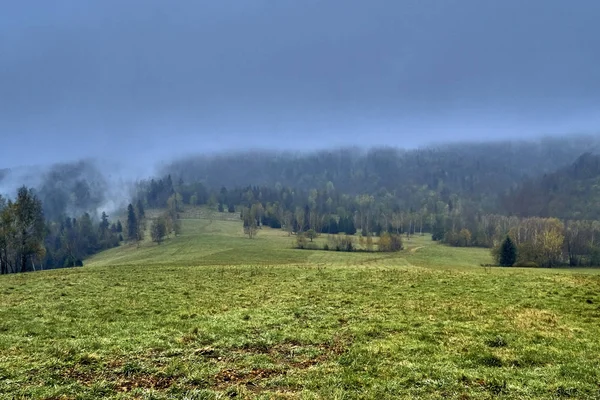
(350, 228)
(132, 225)
(508, 253)
(104, 225)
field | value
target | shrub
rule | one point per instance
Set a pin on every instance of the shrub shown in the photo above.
(390, 242)
(341, 243)
(300, 241)
(526, 264)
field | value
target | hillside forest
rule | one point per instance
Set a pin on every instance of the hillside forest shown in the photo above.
(541, 195)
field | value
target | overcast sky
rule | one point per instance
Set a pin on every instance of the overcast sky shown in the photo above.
(149, 78)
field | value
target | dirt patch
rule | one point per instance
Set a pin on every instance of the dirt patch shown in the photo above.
(144, 381)
(122, 382)
(287, 356)
(250, 378)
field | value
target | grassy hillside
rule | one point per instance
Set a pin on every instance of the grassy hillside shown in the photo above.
(212, 314)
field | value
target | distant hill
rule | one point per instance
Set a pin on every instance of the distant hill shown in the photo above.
(571, 192)
(478, 172)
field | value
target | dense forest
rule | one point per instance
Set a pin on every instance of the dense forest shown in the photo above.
(571, 192)
(28, 241)
(477, 172)
(544, 195)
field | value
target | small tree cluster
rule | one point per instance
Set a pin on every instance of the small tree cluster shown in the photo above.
(341, 243)
(389, 242)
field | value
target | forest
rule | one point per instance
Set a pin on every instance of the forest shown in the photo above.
(542, 194)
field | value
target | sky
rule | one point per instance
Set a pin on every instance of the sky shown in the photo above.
(144, 80)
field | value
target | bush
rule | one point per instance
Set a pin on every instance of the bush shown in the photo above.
(300, 241)
(341, 243)
(390, 242)
(158, 229)
(526, 264)
(458, 239)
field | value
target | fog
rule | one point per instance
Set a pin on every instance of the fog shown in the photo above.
(137, 82)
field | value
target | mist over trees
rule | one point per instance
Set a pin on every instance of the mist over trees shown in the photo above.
(477, 171)
(464, 194)
(571, 192)
(69, 189)
(542, 194)
(29, 242)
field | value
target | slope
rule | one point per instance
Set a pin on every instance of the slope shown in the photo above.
(571, 192)
(213, 315)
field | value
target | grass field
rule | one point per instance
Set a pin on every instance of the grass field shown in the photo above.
(212, 315)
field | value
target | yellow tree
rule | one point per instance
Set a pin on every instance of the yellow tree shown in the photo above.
(551, 240)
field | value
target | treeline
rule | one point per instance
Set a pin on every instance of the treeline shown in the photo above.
(69, 241)
(463, 194)
(475, 172)
(453, 220)
(571, 192)
(544, 242)
(324, 210)
(385, 243)
(66, 188)
(29, 242)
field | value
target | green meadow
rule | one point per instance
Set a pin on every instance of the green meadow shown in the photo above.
(211, 314)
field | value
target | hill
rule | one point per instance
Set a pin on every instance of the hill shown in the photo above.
(571, 192)
(210, 314)
(476, 172)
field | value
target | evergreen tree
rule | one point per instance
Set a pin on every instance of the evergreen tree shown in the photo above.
(132, 224)
(333, 226)
(508, 253)
(347, 226)
(104, 225)
(141, 213)
(438, 228)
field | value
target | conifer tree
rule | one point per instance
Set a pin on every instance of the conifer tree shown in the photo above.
(508, 253)
(132, 225)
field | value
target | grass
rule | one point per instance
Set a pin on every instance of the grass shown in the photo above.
(214, 315)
